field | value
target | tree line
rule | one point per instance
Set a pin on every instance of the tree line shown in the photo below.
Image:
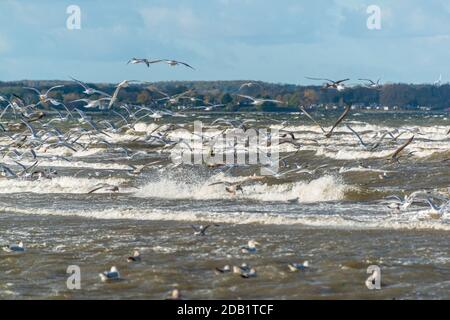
(404, 96)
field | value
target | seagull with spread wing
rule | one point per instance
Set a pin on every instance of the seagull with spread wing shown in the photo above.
(137, 61)
(259, 101)
(338, 121)
(87, 90)
(372, 84)
(43, 97)
(171, 63)
(338, 85)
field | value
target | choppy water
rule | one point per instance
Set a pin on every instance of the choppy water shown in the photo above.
(333, 217)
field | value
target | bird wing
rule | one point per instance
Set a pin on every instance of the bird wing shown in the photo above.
(114, 97)
(220, 182)
(396, 153)
(52, 88)
(33, 132)
(311, 118)
(271, 100)
(80, 83)
(34, 89)
(338, 121)
(97, 188)
(247, 97)
(185, 64)
(357, 135)
(339, 81)
(321, 79)
(362, 79)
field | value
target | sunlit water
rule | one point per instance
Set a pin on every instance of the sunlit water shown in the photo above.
(333, 218)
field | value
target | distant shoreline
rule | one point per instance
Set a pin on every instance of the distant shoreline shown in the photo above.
(396, 95)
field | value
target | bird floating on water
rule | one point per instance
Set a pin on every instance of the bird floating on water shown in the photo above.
(111, 275)
(136, 257)
(225, 269)
(251, 247)
(298, 266)
(18, 247)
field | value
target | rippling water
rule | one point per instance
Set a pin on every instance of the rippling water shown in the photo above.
(332, 217)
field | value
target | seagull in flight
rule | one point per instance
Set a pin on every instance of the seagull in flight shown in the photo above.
(438, 210)
(123, 84)
(258, 101)
(137, 61)
(91, 103)
(395, 155)
(372, 84)
(249, 85)
(407, 201)
(200, 230)
(43, 97)
(338, 85)
(172, 63)
(106, 187)
(338, 121)
(230, 187)
(88, 90)
(365, 145)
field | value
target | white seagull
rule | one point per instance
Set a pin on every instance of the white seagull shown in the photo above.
(406, 202)
(112, 275)
(92, 103)
(249, 274)
(43, 97)
(87, 90)
(123, 84)
(249, 85)
(338, 85)
(137, 61)
(250, 248)
(372, 84)
(172, 63)
(136, 257)
(225, 269)
(14, 247)
(259, 101)
(294, 267)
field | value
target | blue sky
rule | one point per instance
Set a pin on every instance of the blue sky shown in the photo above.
(276, 41)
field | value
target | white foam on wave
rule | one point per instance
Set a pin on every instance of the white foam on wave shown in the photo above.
(56, 185)
(341, 221)
(326, 188)
(72, 164)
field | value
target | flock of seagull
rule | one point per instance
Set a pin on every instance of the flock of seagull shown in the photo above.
(28, 132)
